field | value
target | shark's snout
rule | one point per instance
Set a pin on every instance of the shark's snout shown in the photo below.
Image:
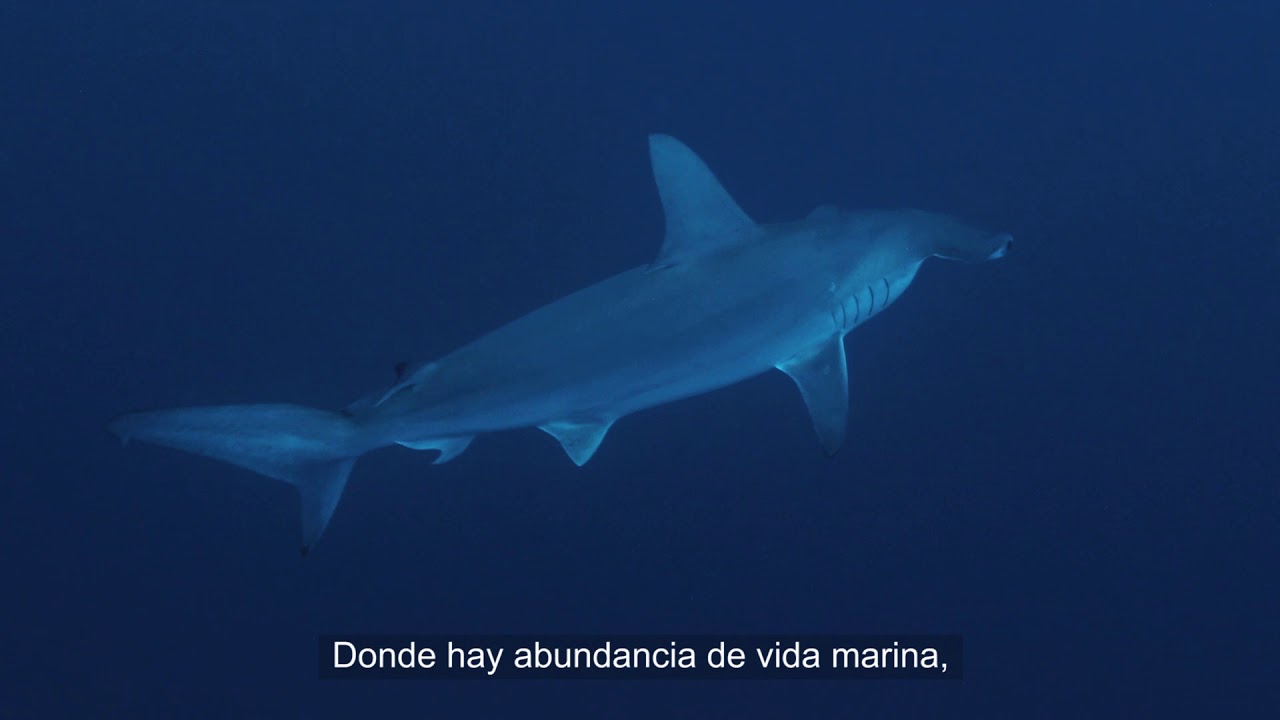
(955, 240)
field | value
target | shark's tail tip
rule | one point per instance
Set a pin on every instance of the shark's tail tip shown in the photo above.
(1005, 243)
(118, 427)
(313, 450)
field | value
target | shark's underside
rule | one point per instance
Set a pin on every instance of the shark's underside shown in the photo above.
(726, 299)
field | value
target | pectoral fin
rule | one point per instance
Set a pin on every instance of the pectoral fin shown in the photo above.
(823, 378)
(578, 438)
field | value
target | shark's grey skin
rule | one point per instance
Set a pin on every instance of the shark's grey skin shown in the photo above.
(726, 299)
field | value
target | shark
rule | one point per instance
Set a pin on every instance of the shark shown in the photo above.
(726, 299)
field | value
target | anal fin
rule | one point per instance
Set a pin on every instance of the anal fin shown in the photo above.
(823, 378)
(579, 438)
(449, 448)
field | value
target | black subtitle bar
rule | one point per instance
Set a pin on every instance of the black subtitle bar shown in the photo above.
(649, 657)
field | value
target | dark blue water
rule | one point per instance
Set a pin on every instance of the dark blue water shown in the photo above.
(1069, 456)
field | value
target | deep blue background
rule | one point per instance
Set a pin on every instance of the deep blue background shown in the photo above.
(1070, 456)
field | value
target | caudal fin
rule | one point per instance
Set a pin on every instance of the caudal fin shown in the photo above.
(313, 450)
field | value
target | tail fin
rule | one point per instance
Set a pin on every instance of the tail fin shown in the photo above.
(313, 450)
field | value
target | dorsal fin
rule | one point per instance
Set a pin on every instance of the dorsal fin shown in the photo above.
(701, 216)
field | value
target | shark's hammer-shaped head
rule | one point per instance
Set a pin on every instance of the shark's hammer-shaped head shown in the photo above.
(885, 247)
(947, 237)
(910, 236)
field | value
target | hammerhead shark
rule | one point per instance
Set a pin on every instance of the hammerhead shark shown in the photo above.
(726, 299)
